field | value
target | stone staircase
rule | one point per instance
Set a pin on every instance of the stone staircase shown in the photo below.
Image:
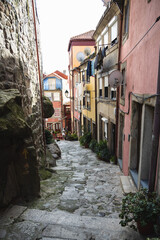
(19, 223)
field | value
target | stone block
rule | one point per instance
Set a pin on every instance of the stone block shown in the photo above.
(126, 184)
(2, 233)
(25, 230)
(64, 232)
(11, 214)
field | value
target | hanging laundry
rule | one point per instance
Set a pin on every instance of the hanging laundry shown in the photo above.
(89, 68)
(100, 59)
(92, 68)
(96, 62)
(104, 52)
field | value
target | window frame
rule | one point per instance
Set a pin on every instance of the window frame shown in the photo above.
(100, 87)
(106, 87)
(125, 32)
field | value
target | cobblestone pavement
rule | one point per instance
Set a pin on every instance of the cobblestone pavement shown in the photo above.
(81, 201)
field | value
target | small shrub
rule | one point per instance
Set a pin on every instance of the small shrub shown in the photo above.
(103, 151)
(71, 137)
(85, 139)
(142, 206)
(113, 159)
(93, 145)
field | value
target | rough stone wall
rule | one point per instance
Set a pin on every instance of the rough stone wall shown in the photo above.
(19, 70)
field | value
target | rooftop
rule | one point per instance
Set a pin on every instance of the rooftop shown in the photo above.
(84, 36)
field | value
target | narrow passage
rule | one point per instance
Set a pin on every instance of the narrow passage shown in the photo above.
(81, 201)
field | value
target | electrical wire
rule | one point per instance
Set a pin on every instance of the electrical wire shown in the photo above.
(143, 98)
(157, 19)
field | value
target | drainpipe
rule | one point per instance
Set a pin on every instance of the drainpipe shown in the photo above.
(155, 136)
(72, 99)
(118, 89)
(96, 136)
(40, 84)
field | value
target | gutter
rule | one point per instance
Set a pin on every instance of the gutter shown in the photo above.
(118, 90)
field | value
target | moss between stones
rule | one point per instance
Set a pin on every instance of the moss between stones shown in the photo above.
(44, 174)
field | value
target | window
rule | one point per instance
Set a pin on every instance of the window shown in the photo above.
(57, 126)
(114, 34)
(83, 76)
(113, 93)
(75, 79)
(49, 126)
(123, 83)
(106, 130)
(105, 120)
(57, 112)
(100, 87)
(106, 39)
(79, 77)
(84, 100)
(56, 96)
(100, 44)
(112, 21)
(75, 103)
(126, 17)
(88, 100)
(51, 84)
(49, 95)
(79, 105)
(106, 87)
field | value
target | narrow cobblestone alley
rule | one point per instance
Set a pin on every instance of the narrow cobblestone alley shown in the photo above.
(81, 201)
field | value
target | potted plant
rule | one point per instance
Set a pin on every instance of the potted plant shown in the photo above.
(140, 210)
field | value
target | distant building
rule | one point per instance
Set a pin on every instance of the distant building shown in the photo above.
(88, 97)
(107, 35)
(79, 47)
(52, 85)
(55, 85)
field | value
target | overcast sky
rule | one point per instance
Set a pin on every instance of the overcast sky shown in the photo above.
(59, 21)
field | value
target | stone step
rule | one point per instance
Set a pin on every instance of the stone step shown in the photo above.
(64, 225)
(11, 214)
(127, 184)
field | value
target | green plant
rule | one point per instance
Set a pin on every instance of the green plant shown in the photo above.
(93, 145)
(72, 137)
(85, 139)
(142, 207)
(102, 151)
(48, 137)
(113, 159)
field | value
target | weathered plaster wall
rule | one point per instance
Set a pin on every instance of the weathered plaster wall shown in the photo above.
(142, 63)
(19, 70)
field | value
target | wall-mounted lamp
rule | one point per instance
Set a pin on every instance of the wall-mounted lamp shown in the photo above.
(67, 95)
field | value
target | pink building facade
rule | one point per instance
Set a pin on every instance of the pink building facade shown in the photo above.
(139, 58)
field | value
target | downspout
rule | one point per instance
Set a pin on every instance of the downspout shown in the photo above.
(96, 136)
(155, 136)
(118, 89)
(38, 63)
(72, 99)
